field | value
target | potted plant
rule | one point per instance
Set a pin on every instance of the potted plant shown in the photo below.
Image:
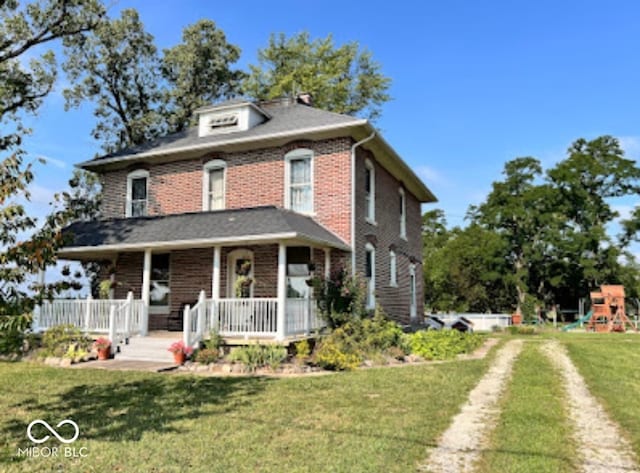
(180, 352)
(103, 346)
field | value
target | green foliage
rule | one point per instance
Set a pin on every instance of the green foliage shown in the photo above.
(529, 308)
(257, 356)
(207, 355)
(521, 330)
(303, 349)
(341, 298)
(12, 333)
(215, 340)
(342, 79)
(58, 340)
(443, 344)
(348, 345)
(75, 352)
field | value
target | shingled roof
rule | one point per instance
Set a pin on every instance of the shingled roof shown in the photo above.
(284, 117)
(201, 229)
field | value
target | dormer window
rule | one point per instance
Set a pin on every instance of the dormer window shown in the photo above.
(213, 185)
(137, 193)
(224, 122)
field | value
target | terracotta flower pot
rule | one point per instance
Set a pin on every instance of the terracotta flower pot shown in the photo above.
(104, 353)
(179, 357)
(516, 319)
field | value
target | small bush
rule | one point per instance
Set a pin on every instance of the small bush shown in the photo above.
(332, 355)
(443, 344)
(12, 333)
(496, 329)
(56, 341)
(303, 349)
(207, 356)
(215, 340)
(258, 356)
(521, 330)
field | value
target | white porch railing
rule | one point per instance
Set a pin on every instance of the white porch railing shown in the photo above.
(248, 318)
(119, 318)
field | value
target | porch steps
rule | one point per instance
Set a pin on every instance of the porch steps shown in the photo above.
(147, 349)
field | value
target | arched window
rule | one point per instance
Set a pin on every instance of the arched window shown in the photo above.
(369, 191)
(137, 193)
(298, 178)
(213, 185)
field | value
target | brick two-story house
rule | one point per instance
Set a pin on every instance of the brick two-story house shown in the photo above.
(248, 206)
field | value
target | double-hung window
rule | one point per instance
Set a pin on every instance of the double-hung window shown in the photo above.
(137, 193)
(370, 275)
(299, 180)
(393, 269)
(369, 191)
(213, 185)
(403, 214)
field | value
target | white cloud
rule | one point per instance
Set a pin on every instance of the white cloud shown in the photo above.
(56, 162)
(40, 194)
(623, 210)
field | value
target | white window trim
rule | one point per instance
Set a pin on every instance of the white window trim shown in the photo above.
(371, 290)
(370, 209)
(139, 173)
(403, 214)
(393, 269)
(213, 165)
(294, 155)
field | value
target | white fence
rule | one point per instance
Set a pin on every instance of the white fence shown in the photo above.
(91, 315)
(251, 317)
(481, 322)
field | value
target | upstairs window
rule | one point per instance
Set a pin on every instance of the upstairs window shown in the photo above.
(299, 180)
(213, 191)
(403, 214)
(369, 192)
(137, 193)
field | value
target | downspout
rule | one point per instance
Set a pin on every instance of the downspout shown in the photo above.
(353, 200)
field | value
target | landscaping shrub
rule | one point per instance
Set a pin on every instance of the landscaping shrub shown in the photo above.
(337, 354)
(341, 298)
(215, 340)
(303, 349)
(443, 344)
(12, 333)
(207, 355)
(258, 356)
(58, 340)
(522, 330)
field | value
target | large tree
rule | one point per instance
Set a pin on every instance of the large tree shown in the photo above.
(25, 249)
(198, 72)
(342, 79)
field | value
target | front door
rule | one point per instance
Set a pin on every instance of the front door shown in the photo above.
(240, 271)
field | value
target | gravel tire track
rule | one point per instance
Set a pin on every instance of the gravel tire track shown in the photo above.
(461, 444)
(602, 447)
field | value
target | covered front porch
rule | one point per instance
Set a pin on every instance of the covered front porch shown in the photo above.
(248, 287)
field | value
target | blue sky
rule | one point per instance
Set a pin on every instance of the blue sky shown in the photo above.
(474, 83)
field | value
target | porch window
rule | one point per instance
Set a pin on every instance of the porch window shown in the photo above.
(370, 274)
(403, 214)
(137, 193)
(299, 180)
(213, 191)
(240, 267)
(369, 191)
(298, 272)
(159, 293)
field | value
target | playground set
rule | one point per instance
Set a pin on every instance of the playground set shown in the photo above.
(607, 312)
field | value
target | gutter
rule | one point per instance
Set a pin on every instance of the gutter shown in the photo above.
(353, 199)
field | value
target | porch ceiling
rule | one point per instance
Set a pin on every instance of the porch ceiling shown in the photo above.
(259, 225)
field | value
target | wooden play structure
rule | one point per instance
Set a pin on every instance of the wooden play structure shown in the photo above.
(607, 310)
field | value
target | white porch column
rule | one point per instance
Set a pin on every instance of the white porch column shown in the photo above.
(146, 289)
(327, 263)
(282, 291)
(215, 284)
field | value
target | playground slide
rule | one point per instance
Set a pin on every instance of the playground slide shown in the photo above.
(582, 320)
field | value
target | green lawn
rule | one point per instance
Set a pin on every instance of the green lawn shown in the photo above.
(610, 365)
(533, 432)
(364, 421)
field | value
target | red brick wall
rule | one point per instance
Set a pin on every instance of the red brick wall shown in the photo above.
(253, 178)
(385, 235)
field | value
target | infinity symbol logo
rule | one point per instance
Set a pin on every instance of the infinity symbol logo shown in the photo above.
(53, 432)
